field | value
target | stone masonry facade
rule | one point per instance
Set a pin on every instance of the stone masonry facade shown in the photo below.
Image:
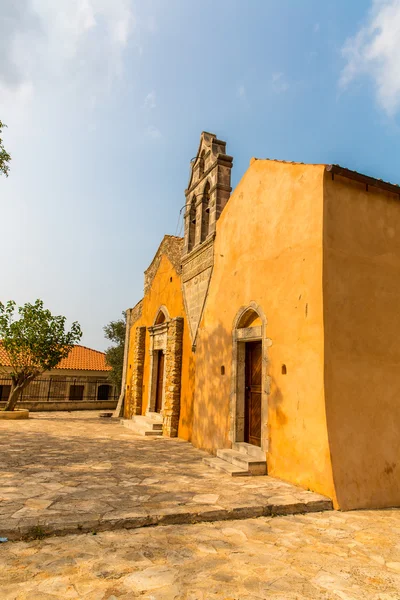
(171, 246)
(137, 372)
(173, 368)
(207, 193)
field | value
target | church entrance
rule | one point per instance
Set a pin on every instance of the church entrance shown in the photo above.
(160, 381)
(253, 380)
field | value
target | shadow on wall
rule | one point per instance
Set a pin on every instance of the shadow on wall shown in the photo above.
(212, 389)
(277, 418)
(187, 400)
(213, 392)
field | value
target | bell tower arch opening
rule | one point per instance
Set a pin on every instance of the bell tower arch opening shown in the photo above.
(205, 212)
(192, 224)
(208, 190)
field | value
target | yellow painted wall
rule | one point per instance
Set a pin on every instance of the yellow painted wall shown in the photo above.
(362, 341)
(268, 249)
(322, 260)
(165, 292)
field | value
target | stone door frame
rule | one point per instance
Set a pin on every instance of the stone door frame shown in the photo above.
(241, 335)
(168, 338)
(158, 342)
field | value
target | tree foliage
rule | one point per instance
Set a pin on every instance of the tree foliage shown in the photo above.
(115, 332)
(4, 156)
(35, 342)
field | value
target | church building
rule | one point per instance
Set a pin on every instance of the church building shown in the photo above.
(269, 335)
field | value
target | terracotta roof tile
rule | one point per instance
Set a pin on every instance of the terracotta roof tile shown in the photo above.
(80, 358)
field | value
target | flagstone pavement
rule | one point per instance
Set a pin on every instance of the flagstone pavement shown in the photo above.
(75, 472)
(316, 556)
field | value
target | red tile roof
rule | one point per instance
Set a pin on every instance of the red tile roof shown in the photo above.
(79, 359)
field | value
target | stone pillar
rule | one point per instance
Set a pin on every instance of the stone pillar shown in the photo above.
(173, 369)
(199, 215)
(135, 404)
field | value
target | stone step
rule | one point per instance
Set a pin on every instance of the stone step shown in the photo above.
(144, 432)
(155, 417)
(154, 425)
(254, 466)
(147, 422)
(226, 467)
(141, 428)
(249, 449)
(146, 425)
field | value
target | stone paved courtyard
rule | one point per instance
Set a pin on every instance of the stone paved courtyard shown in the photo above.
(324, 556)
(75, 472)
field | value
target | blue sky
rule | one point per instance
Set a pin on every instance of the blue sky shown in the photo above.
(105, 101)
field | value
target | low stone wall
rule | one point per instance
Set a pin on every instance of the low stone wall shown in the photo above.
(54, 406)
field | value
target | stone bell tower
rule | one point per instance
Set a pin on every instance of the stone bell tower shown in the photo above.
(207, 193)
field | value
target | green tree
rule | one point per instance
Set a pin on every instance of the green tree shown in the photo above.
(115, 332)
(35, 342)
(4, 156)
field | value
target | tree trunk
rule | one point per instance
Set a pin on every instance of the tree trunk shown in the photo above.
(19, 383)
(13, 397)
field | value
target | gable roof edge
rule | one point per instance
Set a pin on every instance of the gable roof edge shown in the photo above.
(171, 247)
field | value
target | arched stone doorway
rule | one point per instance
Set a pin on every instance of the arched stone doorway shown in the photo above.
(250, 381)
(165, 369)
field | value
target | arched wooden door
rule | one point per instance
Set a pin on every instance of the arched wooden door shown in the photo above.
(253, 375)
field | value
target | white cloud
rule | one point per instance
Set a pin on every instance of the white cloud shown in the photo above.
(153, 132)
(279, 83)
(375, 52)
(68, 42)
(150, 100)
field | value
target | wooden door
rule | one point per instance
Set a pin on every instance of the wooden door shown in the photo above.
(160, 381)
(253, 393)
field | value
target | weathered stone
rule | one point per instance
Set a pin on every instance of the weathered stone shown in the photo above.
(207, 194)
(171, 246)
(163, 481)
(134, 400)
(304, 557)
(173, 366)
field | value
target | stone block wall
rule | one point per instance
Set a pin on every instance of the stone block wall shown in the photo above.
(173, 368)
(135, 404)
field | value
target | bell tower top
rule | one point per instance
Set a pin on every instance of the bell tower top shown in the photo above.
(206, 195)
(208, 190)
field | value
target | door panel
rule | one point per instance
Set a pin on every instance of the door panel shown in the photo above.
(253, 393)
(160, 381)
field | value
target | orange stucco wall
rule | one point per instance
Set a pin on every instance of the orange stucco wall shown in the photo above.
(165, 292)
(268, 250)
(321, 258)
(362, 341)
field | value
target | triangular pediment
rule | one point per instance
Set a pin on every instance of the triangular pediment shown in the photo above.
(209, 149)
(171, 247)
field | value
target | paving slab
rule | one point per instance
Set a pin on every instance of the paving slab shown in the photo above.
(75, 472)
(316, 556)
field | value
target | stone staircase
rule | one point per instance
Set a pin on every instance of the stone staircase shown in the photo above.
(243, 460)
(147, 425)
